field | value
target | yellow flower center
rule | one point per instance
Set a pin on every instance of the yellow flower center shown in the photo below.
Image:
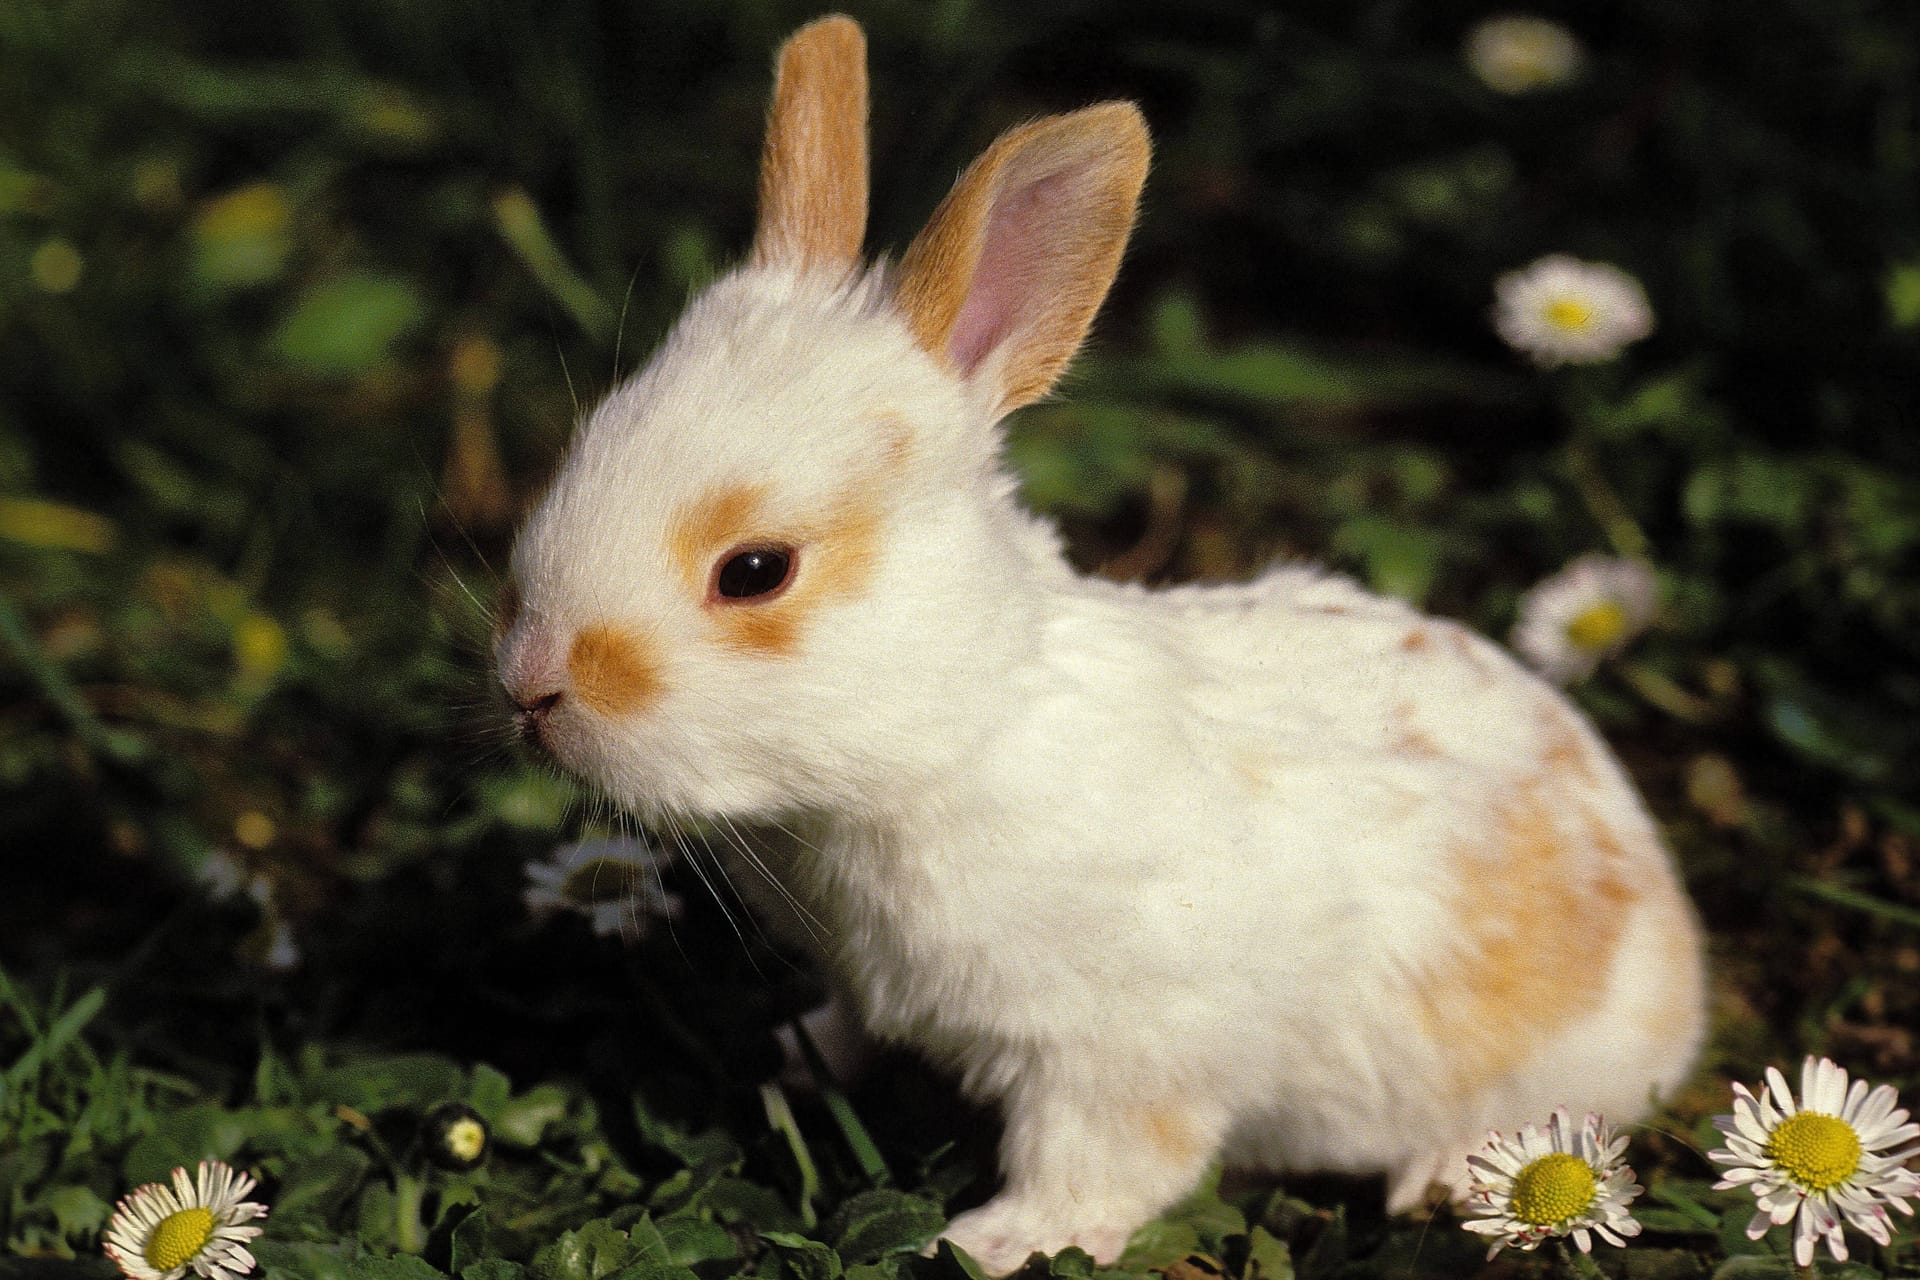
(1569, 313)
(178, 1237)
(1818, 1152)
(1553, 1189)
(466, 1138)
(1597, 626)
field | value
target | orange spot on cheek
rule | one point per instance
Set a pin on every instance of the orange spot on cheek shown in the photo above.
(611, 670)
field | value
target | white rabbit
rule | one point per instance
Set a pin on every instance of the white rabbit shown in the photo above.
(1282, 873)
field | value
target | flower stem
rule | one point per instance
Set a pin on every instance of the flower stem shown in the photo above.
(1578, 1263)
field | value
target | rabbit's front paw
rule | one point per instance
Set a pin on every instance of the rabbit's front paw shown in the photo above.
(1003, 1233)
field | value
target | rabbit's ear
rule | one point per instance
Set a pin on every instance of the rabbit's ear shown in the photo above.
(1006, 276)
(813, 169)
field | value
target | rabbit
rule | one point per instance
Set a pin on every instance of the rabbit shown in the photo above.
(1283, 874)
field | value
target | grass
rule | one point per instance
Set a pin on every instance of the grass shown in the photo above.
(299, 299)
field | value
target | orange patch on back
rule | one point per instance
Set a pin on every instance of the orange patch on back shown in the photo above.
(1416, 641)
(1171, 1134)
(611, 670)
(1539, 908)
(1564, 753)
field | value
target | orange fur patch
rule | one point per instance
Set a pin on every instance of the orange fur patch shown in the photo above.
(611, 670)
(1170, 1133)
(1565, 753)
(1539, 908)
(722, 517)
(813, 168)
(1416, 641)
(835, 560)
(1409, 739)
(1086, 168)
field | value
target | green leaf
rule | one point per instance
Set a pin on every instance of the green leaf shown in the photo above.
(690, 1240)
(181, 1139)
(1071, 1263)
(1400, 560)
(493, 1269)
(1748, 1267)
(949, 1262)
(318, 1188)
(1268, 1257)
(595, 1250)
(54, 1041)
(403, 1266)
(370, 1085)
(77, 1209)
(467, 1244)
(286, 1260)
(885, 1221)
(523, 1121)
(347, 325)
(801, 1258)
(489, 1093)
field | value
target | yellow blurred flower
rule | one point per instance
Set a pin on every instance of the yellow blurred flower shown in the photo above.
(259, 648)
(40, 523)
(1518, 53)
(56, 266)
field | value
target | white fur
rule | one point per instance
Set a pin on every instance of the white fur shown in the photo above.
(1120, 859)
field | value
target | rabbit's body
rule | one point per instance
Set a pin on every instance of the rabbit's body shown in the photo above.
(1283, 872)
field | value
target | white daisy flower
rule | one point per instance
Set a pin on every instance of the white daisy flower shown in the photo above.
(1836, 1155)
(198, 1225)
(1561, 310)
(1518, 53)
(1557, 1181)
(613, 883)
(1588, 611)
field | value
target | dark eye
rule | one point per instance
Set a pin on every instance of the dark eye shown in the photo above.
(755, 571)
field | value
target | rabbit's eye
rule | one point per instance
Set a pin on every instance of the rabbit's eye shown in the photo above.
(752, 572)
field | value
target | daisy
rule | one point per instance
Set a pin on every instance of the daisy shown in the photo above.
(1560, 1181)
(1518, 53)
(198, 1225)
(1560, 310)
(614, 883)
(1588, 611)
(1835, 1155)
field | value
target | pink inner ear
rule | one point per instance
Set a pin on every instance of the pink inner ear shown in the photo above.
(1011, 273)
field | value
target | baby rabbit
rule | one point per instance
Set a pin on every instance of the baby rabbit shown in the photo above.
(1282, 873)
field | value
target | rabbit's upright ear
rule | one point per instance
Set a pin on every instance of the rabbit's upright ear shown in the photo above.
(813, 169)
(1005, 278)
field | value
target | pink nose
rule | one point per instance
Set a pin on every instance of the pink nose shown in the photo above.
(534, 679)
(532, 710)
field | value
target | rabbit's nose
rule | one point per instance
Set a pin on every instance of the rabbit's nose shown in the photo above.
(530, 711)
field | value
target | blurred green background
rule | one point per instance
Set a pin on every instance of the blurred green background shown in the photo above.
(299, 298)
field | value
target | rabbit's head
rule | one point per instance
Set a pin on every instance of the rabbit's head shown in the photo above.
(782, 567)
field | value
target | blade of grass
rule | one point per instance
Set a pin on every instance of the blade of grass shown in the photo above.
(780, 1116)
(872, 1163)
(1841, 896)
(520, 224)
